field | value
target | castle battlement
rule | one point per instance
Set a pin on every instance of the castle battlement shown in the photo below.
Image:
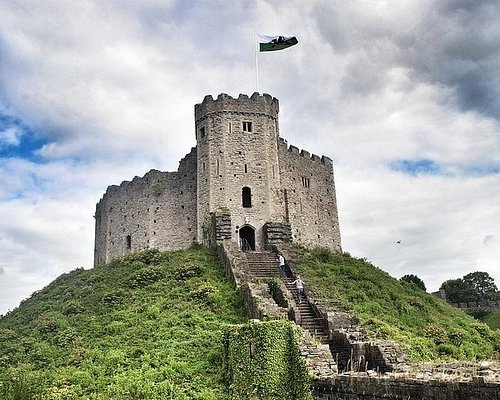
(239, 164)
(261, 104)
(149, 179)
(304, 153)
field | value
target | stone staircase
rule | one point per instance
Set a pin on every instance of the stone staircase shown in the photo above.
(308, 318)
(265, 265)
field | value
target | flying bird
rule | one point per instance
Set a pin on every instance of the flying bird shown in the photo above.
(398, 242)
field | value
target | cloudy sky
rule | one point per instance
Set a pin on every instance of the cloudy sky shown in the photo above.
(404, 96)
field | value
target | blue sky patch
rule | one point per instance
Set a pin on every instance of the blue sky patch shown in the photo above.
(425, 166)
(17, 139)
(421, 166)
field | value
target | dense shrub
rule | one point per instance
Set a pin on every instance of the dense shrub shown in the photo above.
(188, 271)
(146, 276)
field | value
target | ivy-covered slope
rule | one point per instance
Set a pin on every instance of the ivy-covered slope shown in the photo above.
(427, 327)
(147, 326)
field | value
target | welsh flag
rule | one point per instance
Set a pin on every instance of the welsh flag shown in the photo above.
(273, 43)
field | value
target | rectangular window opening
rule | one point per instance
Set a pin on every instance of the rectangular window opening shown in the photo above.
(247, 126)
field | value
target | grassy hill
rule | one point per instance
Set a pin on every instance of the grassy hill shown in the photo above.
(148, 326)
(427, 327)
(151, 325)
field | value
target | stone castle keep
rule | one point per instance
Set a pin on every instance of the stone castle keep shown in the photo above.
(242, 182)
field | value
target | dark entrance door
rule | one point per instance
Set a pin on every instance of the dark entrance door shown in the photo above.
(247, 238)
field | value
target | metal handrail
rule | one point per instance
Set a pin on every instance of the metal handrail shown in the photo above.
(245, 246)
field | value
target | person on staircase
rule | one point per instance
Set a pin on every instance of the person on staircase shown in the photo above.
(299, 285)
(281, 261)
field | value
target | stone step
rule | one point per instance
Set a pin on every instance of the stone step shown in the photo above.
(307, 314)
(264, 270)
(260, 265)
(312, 321)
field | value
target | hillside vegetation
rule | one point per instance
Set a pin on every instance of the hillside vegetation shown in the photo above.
(147, 326)
(160, 325)
(427, 327)
(492, 319)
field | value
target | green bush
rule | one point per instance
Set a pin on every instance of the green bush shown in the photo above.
(73, 307)
(186, 272)
(113, 298)
(446, 349)
(148, 257)
(21, 385)
(146, 276)
(322, 254)
(46, 325)
(457, 337)
(435, 332)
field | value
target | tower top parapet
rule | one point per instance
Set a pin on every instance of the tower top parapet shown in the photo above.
(257, 103)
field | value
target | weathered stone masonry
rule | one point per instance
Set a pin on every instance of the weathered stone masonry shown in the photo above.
(155, 211)
(241, 167)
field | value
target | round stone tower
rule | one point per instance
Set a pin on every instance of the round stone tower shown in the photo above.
(237, 164)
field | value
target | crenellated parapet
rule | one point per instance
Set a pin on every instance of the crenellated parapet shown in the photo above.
(304, 153)
(256, 104)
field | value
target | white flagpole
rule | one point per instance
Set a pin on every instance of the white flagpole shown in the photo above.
(256, 46)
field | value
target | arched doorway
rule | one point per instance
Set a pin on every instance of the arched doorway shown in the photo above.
(247, 238)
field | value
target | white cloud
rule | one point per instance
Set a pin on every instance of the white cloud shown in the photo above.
(109, 89)
(10, 137)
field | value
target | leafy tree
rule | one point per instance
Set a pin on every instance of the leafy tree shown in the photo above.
(456, 291)
(482, 285)
(410, 278)
(476, 286)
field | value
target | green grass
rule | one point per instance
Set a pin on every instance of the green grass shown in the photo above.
(492, 319)
(147, 326)
(151, 326)
(427, 328)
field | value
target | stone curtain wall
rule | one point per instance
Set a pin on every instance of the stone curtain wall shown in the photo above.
(358, 388)
(310, 197)
(230, 158)
(155, 211)
(486, 306)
